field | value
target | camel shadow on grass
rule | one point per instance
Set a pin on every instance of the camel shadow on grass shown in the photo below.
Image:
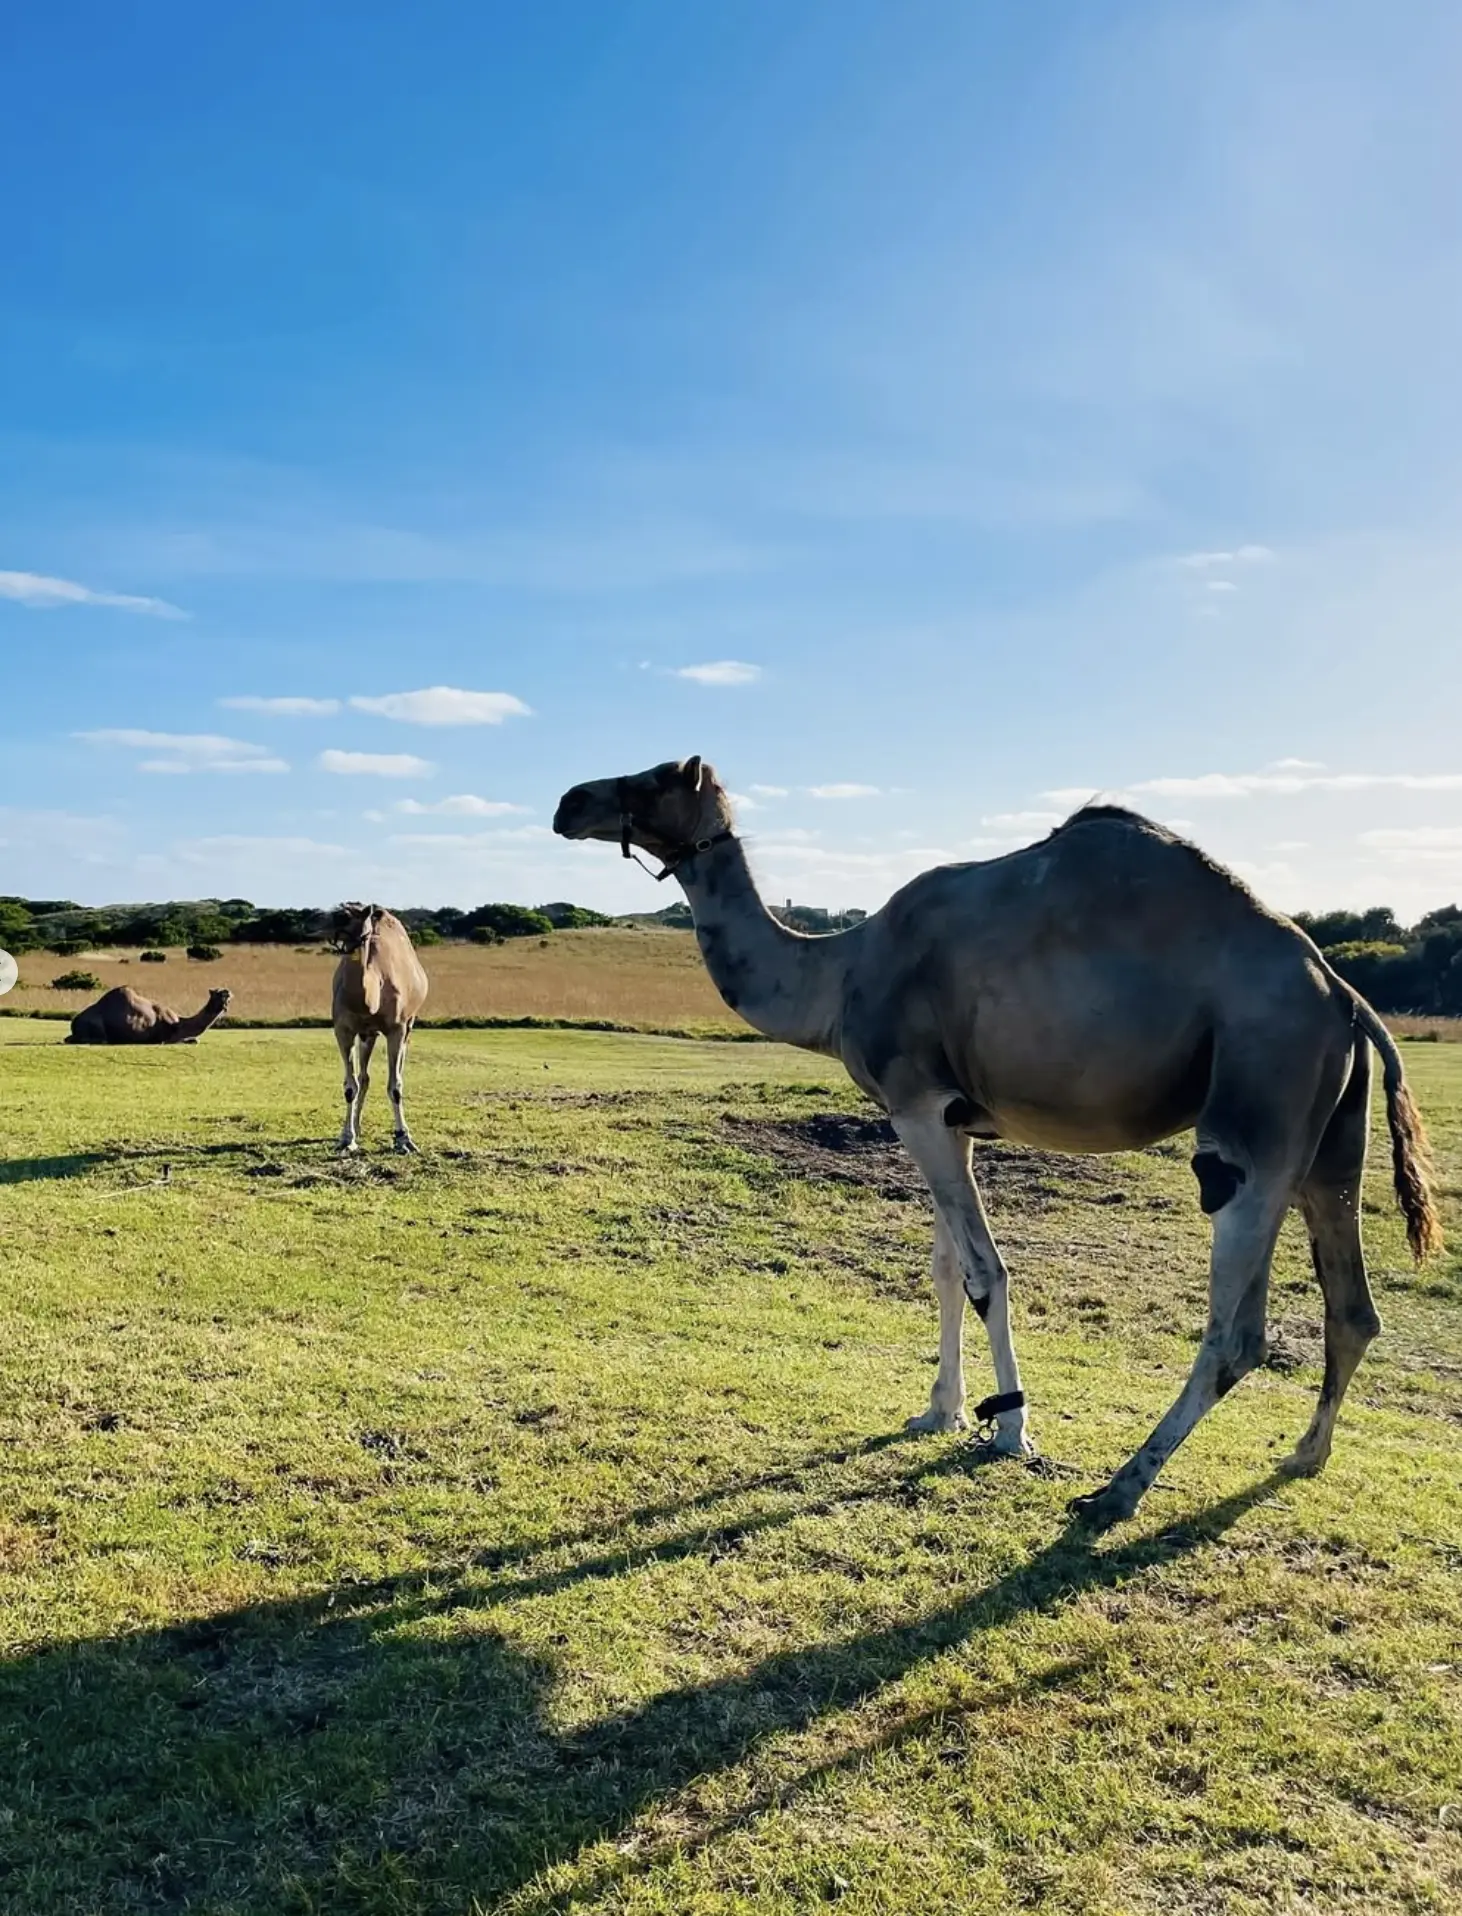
(386, 1747)
(31, 1170)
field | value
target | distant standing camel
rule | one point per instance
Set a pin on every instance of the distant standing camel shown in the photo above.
(124, 1016)
(378, 991)
(1097, 991)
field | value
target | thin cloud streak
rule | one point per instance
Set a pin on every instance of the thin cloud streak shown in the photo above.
(720, 672)
(375, 765)
(444, 705)
(1235, 785)
(460, 805)
(283, 707)
(41, 593)
(189, 751)
(1241, 555)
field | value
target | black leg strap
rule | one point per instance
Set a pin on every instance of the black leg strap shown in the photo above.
(989, 1408)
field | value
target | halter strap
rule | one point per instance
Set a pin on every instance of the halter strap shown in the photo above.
(679, 855)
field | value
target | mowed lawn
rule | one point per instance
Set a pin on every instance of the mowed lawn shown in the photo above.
(632, 977)
(528, 1527)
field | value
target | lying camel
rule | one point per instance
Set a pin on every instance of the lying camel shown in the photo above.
(378, 991)
(1098, 991)
(124, 1016)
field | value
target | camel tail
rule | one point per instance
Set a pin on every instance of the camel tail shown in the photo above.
(1411, 1161)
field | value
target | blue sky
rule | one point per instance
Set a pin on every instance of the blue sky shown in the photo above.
(1005, 404)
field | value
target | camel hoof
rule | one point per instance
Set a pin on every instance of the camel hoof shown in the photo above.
(1020, 1447)
(347, 1150)
(1100, 1509)
(1303, 1463)
(933, 1422)
(405, 1148)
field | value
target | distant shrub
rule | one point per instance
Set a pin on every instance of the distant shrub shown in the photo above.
(153, 957)
(486, 935)
(566, 917)
(508, 921)
(69, 947)
(76, 981)
(425, 935)
(205, 954)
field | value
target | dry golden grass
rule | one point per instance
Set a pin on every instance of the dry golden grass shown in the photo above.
(650, 978)
(1439, 1030)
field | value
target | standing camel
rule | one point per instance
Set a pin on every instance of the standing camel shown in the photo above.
(124, 1016)
(378, 991)
(1098, 991)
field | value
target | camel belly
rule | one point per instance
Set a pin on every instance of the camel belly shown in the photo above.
(1110, 1082)
(1087, 1133)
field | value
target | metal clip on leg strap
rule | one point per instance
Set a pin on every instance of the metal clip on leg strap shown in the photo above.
(989, 1408)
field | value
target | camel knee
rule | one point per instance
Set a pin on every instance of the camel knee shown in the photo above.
(1236, 1350)
(1218, 1180)
(1357, 1327)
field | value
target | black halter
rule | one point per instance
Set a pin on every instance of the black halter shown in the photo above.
(679, 854)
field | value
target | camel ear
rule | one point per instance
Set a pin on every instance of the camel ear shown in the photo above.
(695, 773)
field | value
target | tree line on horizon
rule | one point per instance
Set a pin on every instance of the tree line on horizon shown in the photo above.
(61, 926)
(1399, 968)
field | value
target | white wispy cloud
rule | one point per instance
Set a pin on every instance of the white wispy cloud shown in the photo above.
(283, 708)
(1233, 785)
(375, 764)
(1416, 838)
(460, 805)
(204, 851)
(1296, 765)
(44, 594)
(1221, 585)
(190, 751)
(770, 791)
(843, 791)
(720, 672)
(444, 705)
(1022, 821)
(1239, 555)
(89, 839)
(475, 841)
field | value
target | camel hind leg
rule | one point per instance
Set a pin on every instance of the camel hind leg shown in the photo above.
(1244, 1236)
(1330, 1199)
(1258, 1135)
(396, 1041)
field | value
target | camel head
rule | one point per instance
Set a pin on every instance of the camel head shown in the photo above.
(664, 811)
(220, 1000)
(351, 924)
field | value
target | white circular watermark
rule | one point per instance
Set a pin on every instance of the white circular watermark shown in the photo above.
(9, 972)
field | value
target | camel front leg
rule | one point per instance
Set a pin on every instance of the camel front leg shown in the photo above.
(947, 1399)
(943, 1155)
(396, 1060)
(350, 1134)
(367, 1046)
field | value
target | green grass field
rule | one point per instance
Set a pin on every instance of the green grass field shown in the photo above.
(528, 1527)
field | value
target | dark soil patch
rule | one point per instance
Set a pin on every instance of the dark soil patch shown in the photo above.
(846, 1148)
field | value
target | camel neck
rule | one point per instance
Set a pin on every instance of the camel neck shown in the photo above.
(787, 986)
(200, 1021)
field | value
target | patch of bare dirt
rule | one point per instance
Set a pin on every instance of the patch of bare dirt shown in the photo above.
(834, 1147)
